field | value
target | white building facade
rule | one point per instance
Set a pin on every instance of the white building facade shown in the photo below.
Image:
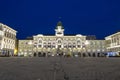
(96, 48)
(7, 40)
(25, 48)
(60, 44)
(113, 42)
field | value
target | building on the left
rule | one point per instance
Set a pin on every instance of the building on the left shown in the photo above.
(7, 40)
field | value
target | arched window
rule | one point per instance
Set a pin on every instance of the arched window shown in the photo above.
(40, 41)
(78, 41)
(59, 41)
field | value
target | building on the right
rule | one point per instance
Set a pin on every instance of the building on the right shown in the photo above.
(113, 42)
(95, 48)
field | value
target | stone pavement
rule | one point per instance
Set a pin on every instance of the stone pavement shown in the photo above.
(56, 68)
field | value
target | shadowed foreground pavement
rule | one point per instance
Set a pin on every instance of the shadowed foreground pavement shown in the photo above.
(56, 68)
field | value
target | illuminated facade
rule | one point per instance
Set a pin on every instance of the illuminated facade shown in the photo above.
(25, 47)
(95, 48)
(7, 40)
(60, 44)
(113, 42)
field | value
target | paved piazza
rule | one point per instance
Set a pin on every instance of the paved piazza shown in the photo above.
(56, 68)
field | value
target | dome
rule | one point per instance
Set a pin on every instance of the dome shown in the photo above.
(59, 24)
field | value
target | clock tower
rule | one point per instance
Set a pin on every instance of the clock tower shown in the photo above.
(59, 31)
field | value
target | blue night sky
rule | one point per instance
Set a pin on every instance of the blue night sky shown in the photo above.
(87, 17)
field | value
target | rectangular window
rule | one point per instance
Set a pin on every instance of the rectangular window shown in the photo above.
(35, 45)
(65, 46)
(39, 45)
(78, 46)
(59, 46)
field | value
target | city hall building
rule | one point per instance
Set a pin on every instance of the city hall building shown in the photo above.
(61, 44)
(7, 40)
